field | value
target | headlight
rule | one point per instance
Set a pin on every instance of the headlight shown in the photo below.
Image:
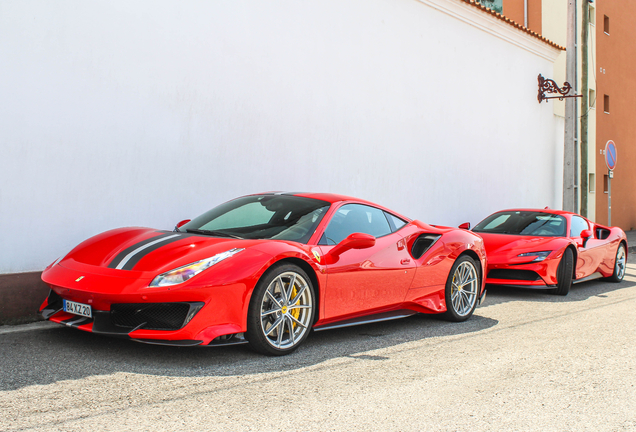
(540, 256)
(182, 274)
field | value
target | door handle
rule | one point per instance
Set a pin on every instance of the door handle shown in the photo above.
(405, 261)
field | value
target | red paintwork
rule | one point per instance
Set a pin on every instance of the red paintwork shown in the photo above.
(381, 277)
(597, 256)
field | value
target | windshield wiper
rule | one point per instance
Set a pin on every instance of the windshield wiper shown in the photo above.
(213, 233)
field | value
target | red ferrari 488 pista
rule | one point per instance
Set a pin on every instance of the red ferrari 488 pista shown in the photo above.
(266, 269)
(550, 249)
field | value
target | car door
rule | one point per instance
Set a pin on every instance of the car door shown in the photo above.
(365, 279)
(590, 252)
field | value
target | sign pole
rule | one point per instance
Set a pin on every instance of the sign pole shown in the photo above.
(610, 161)
(610, 174)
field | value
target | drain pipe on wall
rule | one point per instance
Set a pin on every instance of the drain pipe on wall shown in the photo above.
(585, 106)
(569, 147)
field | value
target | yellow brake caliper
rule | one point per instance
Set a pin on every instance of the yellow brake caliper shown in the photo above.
(295, 312)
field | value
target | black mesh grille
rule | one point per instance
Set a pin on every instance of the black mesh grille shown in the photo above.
(151, 316)
(523, 275)
(54, 301)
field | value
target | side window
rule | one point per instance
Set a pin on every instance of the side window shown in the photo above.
(395, 221)
(577, 224)
(355, 218)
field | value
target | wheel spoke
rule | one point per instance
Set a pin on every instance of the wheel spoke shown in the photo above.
(465, 273)
(299, 307)
(274, 325)
(470, 281)
(290, 288)
(464, 303)
(269, 312)
(281, 330)
(271, 296)
(297, 322)
(292, 334)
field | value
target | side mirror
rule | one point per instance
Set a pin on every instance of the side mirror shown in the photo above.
(586, 235)
(354, 241)
(465, 225)
(182, 223)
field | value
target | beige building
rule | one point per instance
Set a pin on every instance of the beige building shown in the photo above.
(605, 79)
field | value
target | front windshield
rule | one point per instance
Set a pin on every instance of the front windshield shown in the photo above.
(276, 217)
(530, 223)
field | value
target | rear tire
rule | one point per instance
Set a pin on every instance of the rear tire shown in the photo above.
(619, 264)
(462, 290)
(565, 273)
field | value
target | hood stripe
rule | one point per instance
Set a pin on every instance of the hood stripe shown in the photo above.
(129, 253)
(124, 261)
(121, 255)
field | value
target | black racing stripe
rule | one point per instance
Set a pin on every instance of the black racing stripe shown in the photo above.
(135, 259)
(121, 255)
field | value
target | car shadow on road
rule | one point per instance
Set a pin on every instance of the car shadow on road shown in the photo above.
(48, 356)
(579, 292)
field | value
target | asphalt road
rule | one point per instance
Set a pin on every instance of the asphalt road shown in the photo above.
(526, 361)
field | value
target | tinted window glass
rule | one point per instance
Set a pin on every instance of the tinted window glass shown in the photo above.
(530, 223)
(355, 218)
(578, 224)
(395, 221)
(277, 217)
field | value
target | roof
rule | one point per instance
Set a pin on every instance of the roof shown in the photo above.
(543, 210)
(512, 23)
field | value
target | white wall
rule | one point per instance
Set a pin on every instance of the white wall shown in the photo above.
(118, 113)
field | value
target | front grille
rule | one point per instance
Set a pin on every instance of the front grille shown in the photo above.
(152, 316)
(522, 275)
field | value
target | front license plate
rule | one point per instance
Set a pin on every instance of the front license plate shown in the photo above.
(77, 308)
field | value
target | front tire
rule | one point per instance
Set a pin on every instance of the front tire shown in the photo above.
(281, 311)
(565, 272)
(619, 264)
(462, 290)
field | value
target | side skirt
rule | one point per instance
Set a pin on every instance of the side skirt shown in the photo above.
(385, 316)
(593, 276)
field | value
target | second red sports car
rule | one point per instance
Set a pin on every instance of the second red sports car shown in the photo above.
(546, 248)
(266, 269)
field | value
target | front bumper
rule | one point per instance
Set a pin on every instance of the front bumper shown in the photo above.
(221, 308)
(530, 275)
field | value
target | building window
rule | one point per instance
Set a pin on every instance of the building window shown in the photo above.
(496, 5)
(591, 184)
(606, 104)
(592, 98)
(606, 24)
(592, 15)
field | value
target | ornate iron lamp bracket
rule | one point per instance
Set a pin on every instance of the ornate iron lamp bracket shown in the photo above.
(549, 86)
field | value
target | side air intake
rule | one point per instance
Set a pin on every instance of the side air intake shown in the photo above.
(422, 244)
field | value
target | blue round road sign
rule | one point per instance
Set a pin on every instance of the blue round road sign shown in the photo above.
(610, 154)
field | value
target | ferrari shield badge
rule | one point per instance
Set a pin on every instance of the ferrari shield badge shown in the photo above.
(316, 255)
